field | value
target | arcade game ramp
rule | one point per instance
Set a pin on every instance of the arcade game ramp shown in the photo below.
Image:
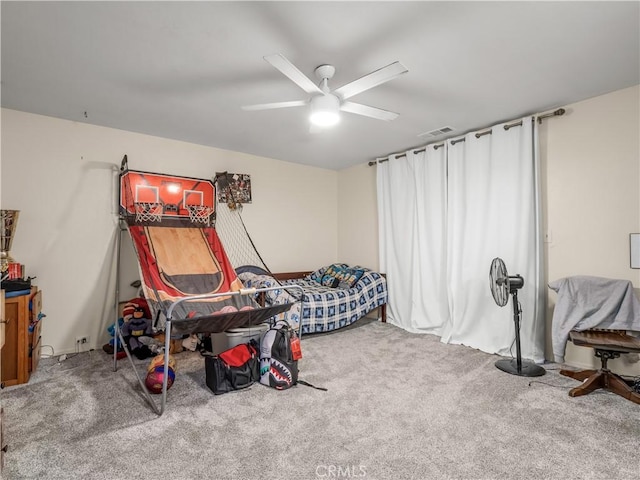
(185, 260)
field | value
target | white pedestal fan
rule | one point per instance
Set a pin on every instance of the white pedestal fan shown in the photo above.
(501, 286)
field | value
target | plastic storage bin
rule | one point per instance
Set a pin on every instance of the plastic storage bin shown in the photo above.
(235, 336)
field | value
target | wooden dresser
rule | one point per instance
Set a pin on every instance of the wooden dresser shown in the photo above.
(21, 351)
(19, 344)
(3, 445)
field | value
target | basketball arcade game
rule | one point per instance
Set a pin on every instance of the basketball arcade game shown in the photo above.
(184, 270)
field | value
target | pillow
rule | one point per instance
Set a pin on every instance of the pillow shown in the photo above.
(361, 268)
(317, 275)
(351, 277)
(335, 271)
(329, 281)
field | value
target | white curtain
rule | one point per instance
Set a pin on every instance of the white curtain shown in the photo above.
(438, 263)
(412, 225)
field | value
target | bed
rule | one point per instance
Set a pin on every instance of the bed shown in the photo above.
(334, 296)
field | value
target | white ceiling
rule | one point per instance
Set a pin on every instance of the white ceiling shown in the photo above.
(182, 70)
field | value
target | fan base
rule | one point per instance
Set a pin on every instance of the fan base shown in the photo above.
(528, 369)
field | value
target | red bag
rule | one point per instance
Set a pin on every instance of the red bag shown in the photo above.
(238, 355)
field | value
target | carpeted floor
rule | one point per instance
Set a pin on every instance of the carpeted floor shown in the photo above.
(398, 406)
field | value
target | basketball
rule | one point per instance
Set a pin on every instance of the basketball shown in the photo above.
(154, 379)
(158, 361)
(227, 309)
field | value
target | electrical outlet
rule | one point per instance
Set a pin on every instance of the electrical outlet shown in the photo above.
(82, 343)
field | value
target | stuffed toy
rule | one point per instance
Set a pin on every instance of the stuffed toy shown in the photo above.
(130, 307)
(108, 347)
(133, 331)
(175, 345)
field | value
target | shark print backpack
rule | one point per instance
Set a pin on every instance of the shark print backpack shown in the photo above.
(278, 362)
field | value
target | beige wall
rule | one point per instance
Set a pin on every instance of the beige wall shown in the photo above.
(60, 175)
(591, 172)
(590, 160)
(357, 216)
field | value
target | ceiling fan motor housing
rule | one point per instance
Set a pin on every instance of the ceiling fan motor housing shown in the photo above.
(324, 110)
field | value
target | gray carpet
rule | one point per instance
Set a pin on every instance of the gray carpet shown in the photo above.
(398, 406)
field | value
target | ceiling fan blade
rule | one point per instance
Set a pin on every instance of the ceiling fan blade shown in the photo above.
(269, 106)
(371, 80)
(290, 70)
(368, 111)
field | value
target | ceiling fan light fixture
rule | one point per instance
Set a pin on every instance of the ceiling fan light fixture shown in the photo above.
(325, 104)
(325, 110)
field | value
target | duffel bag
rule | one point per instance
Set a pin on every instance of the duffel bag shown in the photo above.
(232, 369)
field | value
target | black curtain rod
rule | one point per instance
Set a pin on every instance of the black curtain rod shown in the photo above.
(555, 113)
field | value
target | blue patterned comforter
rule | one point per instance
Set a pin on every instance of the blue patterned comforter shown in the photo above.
(323, 308)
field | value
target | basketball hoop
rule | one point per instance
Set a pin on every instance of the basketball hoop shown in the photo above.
(200, 213)
(148, 211)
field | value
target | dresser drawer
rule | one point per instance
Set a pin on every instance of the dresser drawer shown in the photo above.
(34, 355)
(35, 306)
(34, 346)
(3, 321)
(34, 335)
(2, 441)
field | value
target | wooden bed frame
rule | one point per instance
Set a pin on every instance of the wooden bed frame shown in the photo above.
(294, 275)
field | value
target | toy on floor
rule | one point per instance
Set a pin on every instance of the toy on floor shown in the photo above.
(175, 345)
(191, 342)
(108, 347)
(130, 307)
(155, 373)
(133, 329)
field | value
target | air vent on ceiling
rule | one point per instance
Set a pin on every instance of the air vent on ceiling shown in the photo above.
(437, 132)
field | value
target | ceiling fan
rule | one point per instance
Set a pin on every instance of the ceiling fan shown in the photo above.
(326, 103)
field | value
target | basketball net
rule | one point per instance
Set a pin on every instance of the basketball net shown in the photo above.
(148, 211)
(200, 214)
(234, 237)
